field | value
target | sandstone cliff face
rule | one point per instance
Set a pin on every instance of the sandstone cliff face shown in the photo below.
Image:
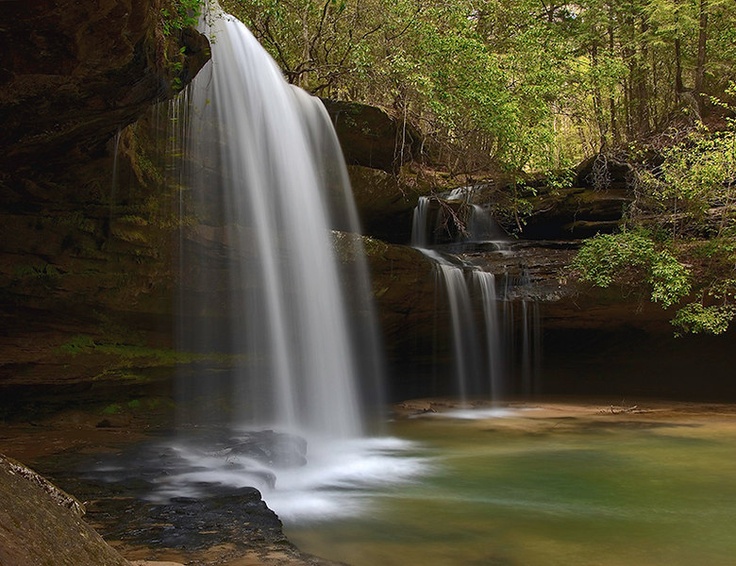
(75, 72)
(86, 228)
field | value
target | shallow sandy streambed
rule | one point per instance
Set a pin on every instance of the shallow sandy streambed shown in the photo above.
(566, 483)
(552, 484)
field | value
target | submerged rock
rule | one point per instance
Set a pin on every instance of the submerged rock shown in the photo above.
(272, 448)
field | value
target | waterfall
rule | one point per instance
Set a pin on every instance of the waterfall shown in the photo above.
(420, 224)
(451, 218)
(464, 333)
(481, 226)
(115, 181)
(496, 348)
(275, 306)
(269, 187)
(531, 347)
(487, 283)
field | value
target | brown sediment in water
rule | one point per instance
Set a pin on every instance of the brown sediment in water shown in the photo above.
(561, 414)
(76, 432)
(80, 432)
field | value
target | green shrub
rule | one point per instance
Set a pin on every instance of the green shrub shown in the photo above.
(698, 319)
(179, 14)
(633, 258)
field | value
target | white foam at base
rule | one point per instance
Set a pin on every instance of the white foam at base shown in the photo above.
(336, 483)
(476, 414)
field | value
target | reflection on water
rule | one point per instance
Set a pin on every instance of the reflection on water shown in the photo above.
(515, 490)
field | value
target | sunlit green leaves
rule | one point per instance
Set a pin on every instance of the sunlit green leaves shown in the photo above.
(698, 319)
(516, 86)
(670, 280)
(633, 257)
(697, 178)
(179, 14)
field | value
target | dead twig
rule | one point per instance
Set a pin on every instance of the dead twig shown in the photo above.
(620, 409)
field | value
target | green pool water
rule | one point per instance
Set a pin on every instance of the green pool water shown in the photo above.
(634, 490)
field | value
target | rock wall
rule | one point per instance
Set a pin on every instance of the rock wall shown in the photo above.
(611, 342)
(75, 72)
(371, 138)
(87, 229)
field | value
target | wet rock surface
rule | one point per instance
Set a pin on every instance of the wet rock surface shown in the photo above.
(146, 498)
(191, 525)
(75, 72)
(39, 526)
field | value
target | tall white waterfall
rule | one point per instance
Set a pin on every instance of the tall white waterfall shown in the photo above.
(269, 187)
(275, 298)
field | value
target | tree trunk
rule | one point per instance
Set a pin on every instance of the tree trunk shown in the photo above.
(679, 87)
(642, 90)
(611, 100)
(597, 103)
(678, 67)
(702, 40)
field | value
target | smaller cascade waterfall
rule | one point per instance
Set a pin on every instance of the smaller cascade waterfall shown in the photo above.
(453, 220)
(521, 320)
(487, 283)
(481, 227)
(495, 347)
(531, 347)
(465, 337)
(420, 224)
